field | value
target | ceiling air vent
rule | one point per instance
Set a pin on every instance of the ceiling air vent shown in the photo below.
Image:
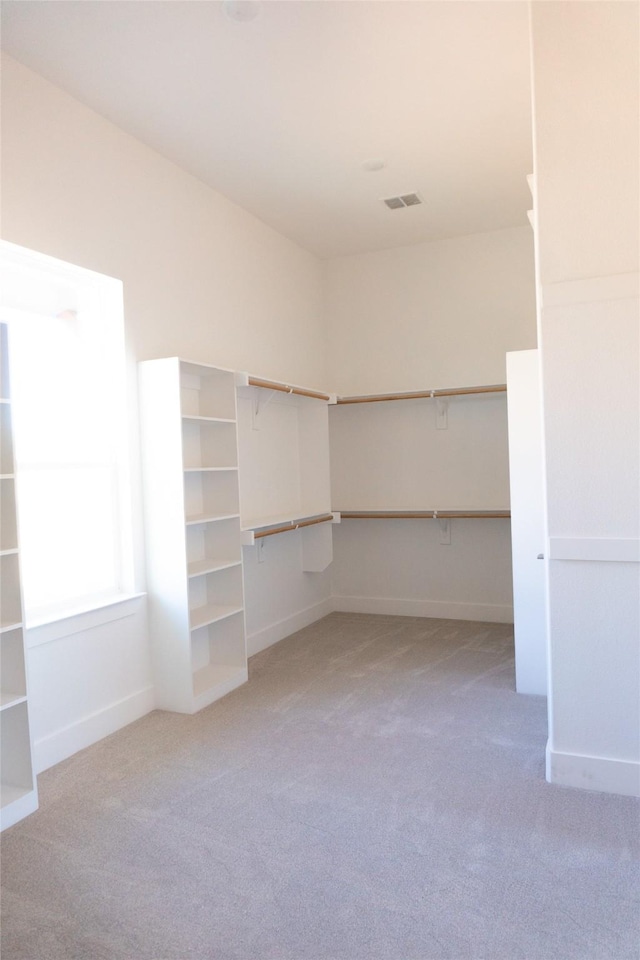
(407, 200)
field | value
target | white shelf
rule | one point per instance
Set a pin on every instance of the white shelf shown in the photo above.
(210, 469)
(206, 391)
(6, 627)
(5, 400)
(199, 567)
(210, 518)
(260, 523)
(8, 553)
(8, 523)
(7, 476)
(17, 803)
(9, 793)
(217, 680)
(199, 419)
(7, 465)
(212, 493)
(211, 613)
(8, 700)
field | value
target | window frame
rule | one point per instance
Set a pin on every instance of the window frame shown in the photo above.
(86, 611)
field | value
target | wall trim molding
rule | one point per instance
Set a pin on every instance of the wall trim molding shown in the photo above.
(603, 774)
(63, 743)
(256, 642)
(620, 286)
(115, 609)
(620, 550)
(445, 610)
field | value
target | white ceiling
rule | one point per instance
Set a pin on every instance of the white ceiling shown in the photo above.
(280, 113)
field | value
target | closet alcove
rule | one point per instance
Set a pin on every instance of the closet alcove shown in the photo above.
(258, 490)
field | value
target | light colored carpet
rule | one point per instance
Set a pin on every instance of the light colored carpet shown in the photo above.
(376, 791)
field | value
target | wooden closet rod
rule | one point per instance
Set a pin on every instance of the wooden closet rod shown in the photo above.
(285, 388)
(387, 515)
(472, 514)
(425, 514)
(426, 394)
(294, 525)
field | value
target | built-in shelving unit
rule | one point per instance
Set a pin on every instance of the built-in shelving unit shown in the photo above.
(192, 518)
(18, 792)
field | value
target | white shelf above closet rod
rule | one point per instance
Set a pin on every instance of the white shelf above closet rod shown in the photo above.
(426, 394)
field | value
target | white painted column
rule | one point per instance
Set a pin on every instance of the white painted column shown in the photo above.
(526, 479)
(587, 171)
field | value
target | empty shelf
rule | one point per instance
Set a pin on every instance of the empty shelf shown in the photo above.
(198, 567)
(211, 613)
(210, 518)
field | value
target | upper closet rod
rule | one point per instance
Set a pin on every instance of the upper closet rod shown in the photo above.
(426, 394)
(296, 525)
(285, 388)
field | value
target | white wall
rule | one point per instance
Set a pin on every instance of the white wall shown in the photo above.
(392, 456)
(586, 85)
(586, 130)
(432, 315)
(273, 574)
(399, 567)
(202, 279)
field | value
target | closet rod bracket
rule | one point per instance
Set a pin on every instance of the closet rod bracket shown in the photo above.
(260, 403)
(445, 528)
(442, 413)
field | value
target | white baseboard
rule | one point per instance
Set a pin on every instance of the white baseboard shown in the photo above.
(486, 612)
(593, 773)
(297, 621)
(65, 742)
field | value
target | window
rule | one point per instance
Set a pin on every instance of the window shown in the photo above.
(66, 350)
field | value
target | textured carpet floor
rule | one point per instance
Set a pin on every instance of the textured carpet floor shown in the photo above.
(376, 791)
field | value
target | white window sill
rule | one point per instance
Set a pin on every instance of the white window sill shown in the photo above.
(44, 630)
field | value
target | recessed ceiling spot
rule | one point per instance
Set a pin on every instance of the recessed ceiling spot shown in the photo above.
(372, 166)
(241, 11)
(406, 200)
